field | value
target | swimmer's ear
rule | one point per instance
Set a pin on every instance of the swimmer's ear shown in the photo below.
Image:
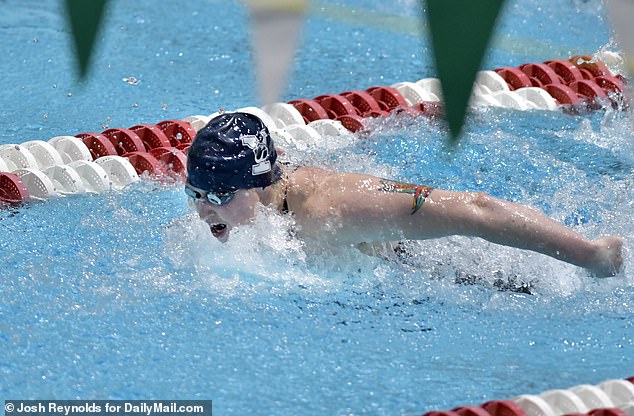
(280, 151)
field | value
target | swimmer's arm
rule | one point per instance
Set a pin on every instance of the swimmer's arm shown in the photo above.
(364, 208)
(419, 192)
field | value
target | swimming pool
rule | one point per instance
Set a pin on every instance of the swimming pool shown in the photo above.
(124, 295)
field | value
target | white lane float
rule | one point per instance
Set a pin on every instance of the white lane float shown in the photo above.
(70, 148)
(283, 114)
(44, 153)
(65, 179)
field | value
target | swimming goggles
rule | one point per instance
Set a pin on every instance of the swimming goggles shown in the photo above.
(199, 195)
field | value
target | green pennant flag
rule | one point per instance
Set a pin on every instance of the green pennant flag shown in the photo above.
(460, 32)
(85, 18)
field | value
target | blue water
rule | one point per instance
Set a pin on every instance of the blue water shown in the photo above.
(125, 295)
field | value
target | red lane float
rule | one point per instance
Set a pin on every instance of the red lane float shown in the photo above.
(563, 94)
(144, 162)
(336, 105)
(171, 155)
(388, 98)
(537, 83)
(152, 136)
(98, 144)
(588, 89)
(542, 73)
(124, 140)
(173, 163)
(12, 190)
(471, 411)
(184, 147)
(594, 67)
(353, 123)
(177, 131)
(613, 87)
(503, 408)
(159, 162)
(514, 77)
(586, 74)
(309, 109)
(160, 151)
(566, 70)
(610, 83)
(365, 104)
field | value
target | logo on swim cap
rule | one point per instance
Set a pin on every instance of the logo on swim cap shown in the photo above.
(233, 151)
(261, 154)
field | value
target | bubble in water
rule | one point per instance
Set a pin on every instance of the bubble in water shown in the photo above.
(131, 80)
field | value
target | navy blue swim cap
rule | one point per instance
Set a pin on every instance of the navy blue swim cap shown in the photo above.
(233, 151)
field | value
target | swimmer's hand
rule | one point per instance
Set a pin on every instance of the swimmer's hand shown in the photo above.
(608, 259)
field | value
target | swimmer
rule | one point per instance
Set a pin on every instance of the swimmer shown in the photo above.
(232, 169)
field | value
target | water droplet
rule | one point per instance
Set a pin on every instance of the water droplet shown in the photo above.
(131, 80)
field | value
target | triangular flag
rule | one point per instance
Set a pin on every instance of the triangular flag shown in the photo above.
(621, 14)
(275, 28)
(85, 18)
(460, 32)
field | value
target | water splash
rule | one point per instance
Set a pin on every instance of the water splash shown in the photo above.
(262, 256)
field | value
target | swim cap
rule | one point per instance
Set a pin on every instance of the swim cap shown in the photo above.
(233, 151)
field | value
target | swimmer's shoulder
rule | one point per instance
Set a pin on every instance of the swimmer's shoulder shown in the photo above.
(306, 182)
(305, 175)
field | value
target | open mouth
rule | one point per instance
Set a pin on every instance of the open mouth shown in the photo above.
(218, 230)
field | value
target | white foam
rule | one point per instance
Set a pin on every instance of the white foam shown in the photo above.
(263, 255)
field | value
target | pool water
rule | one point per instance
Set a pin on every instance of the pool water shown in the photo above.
(126, 295)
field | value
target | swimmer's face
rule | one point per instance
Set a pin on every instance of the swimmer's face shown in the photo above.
(222, 218)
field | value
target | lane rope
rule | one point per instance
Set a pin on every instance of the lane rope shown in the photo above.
(93, 162)
(610, 398)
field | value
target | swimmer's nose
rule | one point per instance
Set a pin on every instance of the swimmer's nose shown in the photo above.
(207, 213)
